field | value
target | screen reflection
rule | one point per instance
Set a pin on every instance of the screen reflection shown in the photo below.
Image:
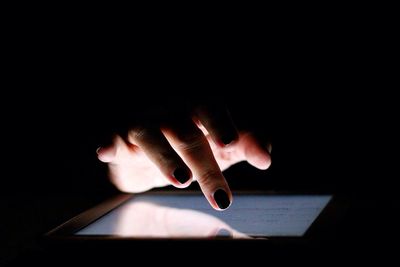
(190, 216)
(144, 219)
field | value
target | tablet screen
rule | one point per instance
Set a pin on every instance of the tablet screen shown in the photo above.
(187, 216)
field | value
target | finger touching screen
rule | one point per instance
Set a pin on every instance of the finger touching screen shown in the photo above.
(187, 216)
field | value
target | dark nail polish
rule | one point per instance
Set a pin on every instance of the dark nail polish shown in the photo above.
(228, 139)
(222, 199)
(224, 233)
(182, 175)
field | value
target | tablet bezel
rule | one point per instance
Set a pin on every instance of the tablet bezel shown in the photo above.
(323, 227)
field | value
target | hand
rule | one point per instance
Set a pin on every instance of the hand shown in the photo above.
(167, 151)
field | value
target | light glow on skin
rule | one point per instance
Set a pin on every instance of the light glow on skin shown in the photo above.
(133, 172)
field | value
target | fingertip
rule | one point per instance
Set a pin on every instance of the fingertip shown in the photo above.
(229, 139)
(181, 177)
(222, 199)
(106, 154)
(256, 154)
(182, 186)
(261, 161)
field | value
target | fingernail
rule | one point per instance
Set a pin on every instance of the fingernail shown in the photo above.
(182, 175)
(224, 233)
(228, 139)
(98, 150)
(222, 199)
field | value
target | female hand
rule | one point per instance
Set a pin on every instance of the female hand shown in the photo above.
(175, 147)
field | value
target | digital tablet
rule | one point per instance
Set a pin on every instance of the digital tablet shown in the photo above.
(188, 215)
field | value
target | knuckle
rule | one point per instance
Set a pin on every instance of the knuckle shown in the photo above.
(139, 133)
(166, 159)
(192, 142)
(209, 177)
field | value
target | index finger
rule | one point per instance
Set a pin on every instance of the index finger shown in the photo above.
(191, 144)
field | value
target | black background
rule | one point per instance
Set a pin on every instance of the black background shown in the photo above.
(321, 98)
